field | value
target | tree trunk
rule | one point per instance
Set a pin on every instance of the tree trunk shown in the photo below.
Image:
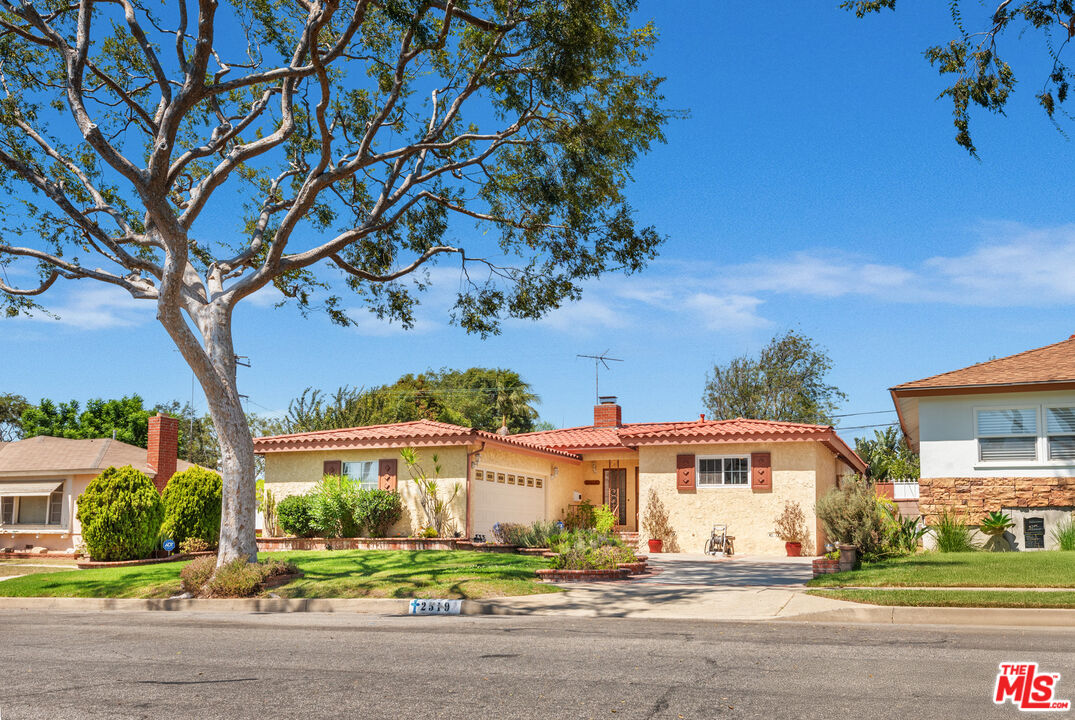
(213, 363)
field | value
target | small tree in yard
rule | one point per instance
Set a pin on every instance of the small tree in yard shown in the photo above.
(194, 153)
(437, 508)
(656, 523)
(192, 506)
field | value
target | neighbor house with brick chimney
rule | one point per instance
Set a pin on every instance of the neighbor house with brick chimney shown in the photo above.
(41, 478)
(999, 435)
(737, 472)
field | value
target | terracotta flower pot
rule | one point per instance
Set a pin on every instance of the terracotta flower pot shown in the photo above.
(656, 545)
(793, 549)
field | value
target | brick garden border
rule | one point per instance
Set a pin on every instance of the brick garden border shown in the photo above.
(554, 575)
(90, 564)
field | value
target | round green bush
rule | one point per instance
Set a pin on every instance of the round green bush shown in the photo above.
(121, 514)
(294, 517)
(192, 507)
(377, 511)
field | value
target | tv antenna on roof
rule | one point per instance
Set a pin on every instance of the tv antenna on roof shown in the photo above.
(598, 361)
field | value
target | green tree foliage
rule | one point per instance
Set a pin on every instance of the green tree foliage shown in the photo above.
(121, 514)
(12, 407)
(192, 506)
(294, 516)
(197, 436)
(126, 417)
(785, 382)
(477, 397)
(975, 60)
(334, 506)
(888, 456)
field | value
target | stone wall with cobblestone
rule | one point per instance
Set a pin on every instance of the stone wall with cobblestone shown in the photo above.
(973, 498)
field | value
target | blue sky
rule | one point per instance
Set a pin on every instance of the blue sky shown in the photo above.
(815, 185)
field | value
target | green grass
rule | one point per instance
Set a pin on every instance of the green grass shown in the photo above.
(329, 574)
(974, 569)
(955, 598)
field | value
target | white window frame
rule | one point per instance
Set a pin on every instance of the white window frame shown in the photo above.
(721, 485)
(358, 479)
(978, 436)
(1046, 455)
(15, 502)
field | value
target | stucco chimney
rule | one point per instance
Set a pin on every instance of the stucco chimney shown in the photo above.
(607, 413)
(163, 448)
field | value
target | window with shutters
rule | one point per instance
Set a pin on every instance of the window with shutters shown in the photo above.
(722, 470)
(1007, 434)
(32, 510)
(364, 473)
(1060, 426)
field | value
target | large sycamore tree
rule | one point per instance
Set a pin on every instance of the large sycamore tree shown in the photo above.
(195, 152)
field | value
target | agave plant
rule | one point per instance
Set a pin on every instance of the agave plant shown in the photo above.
(994, 525)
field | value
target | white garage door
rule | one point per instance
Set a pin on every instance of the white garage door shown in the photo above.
(502, 496)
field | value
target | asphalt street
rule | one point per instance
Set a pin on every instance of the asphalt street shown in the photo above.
(215, 665)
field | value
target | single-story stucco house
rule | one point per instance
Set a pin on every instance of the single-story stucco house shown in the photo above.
(41, 478)
(999, 435)
(738, 472)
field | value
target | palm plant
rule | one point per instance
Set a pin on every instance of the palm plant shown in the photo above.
(438, 509)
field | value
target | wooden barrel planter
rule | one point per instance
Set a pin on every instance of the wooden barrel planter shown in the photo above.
(554, 575)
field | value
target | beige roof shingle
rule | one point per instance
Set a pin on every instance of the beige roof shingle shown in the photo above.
(65, 455)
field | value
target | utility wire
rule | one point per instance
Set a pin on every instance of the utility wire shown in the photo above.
(860, 427)
(872, 412)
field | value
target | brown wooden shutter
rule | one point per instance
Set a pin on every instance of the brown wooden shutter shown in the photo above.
(761, 472)
(332, 467)
(685, 473)
(386, 474)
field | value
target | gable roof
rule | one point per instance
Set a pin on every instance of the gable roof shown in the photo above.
(417, 433)
(1045, 365)
(44, 454)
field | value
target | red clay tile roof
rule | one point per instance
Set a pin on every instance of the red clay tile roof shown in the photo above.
(419, 433)
(43, 454)
(586, 437)
(1050, 364)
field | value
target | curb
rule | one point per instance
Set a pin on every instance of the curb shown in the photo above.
(897, 615)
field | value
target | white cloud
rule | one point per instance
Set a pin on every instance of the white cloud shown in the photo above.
(586, 315)
(726, 312)
(97, 307)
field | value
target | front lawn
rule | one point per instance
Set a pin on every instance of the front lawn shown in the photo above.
(955, 598)
(328, 574)
(975, 569)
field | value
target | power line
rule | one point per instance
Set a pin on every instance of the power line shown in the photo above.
(872, 412)
(860, 427)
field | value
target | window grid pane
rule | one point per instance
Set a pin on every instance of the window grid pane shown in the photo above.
(735, 471)
(55, 508)
(1009, 448)
(1022, 421)
(364, 473)
(7, 510)
(709, 471)
(1062, 447)
(1060, 420)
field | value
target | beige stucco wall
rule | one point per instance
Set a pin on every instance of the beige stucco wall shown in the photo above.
(749, 515)
(298, 472)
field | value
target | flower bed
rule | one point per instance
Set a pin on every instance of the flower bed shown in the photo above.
(557, 575)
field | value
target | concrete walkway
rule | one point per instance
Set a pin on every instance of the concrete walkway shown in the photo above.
(735, 572)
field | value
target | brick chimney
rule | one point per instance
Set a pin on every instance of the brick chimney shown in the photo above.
(607, 413)
(163, 448)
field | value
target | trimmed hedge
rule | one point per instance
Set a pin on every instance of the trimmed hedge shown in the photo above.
(192, 507)
(294, 517)
(377, 511)
(121, 514)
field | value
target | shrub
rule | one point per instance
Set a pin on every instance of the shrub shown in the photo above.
(604, 519)
(656, 524)
(1064, 534)
(581, 517)
(377, 511)
(428, 532)
(539, 534)
(121, 514)
(192, 506)
(906, 534)
(334, 507)
(790, 525)
(853, 514)
(293, 515)
(953, 534)
(193, 545)
(581, 556)
(197, 572)
(508, 533)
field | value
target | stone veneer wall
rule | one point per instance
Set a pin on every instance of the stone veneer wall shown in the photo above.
(976, 497)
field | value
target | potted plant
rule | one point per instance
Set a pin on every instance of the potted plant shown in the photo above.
(656, 524)
(791, 528)
(995, 524)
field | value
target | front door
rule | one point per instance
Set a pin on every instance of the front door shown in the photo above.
(616, 493)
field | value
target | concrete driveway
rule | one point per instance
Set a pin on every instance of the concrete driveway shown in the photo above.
(737, 571)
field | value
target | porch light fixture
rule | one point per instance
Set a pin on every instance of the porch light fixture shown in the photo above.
(555, 471)
(593, 466)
